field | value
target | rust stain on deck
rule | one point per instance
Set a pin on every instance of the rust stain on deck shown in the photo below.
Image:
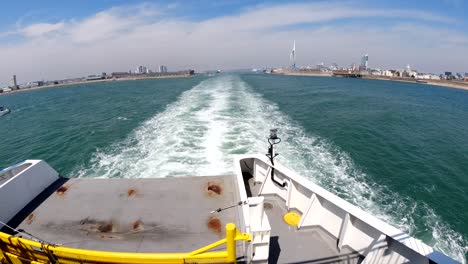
(214, 224)
(268, 206)
(131, 192)
(105, 227)
(137, 225)
(30, 219)
(214, 189)
(97, 226)
(62, 190)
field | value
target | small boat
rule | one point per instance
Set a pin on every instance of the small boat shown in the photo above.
(262, 213)
(4, 111)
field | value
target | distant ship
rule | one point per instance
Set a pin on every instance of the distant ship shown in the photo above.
(263, 213)
(4, 111)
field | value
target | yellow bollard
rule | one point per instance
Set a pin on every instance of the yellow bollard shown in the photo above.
(230, 242)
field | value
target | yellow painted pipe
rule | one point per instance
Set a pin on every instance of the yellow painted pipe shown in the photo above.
(206, 248)
(230, 242)
(25, 249)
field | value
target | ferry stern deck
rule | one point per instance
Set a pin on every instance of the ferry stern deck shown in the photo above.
(213, 219)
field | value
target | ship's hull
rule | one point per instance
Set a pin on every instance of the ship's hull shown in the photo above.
(4, 112)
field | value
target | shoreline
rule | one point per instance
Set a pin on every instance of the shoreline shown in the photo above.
(93, 81)
(441, 83)
(325, 74)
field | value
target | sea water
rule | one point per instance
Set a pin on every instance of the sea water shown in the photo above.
(397, 150)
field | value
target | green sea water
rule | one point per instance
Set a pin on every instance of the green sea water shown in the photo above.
(397, 150)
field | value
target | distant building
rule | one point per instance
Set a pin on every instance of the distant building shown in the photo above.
(94, 77)
(427, 76)
(409, 73)
(321, 66)
(448, 76)
(162, 69)
(379, 72)
(119, 74)
(364, 63)
(387, 73)
(141, 70)
(14, 84)
(37, 83)
(333, 67)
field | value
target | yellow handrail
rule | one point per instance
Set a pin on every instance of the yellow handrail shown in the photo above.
(19, 250)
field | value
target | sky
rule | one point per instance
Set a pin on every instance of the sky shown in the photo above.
(47, 40)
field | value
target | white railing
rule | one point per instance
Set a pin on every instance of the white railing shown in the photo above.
(253, 217)
(351, 226)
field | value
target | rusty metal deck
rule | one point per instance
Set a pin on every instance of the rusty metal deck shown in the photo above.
(132, 215)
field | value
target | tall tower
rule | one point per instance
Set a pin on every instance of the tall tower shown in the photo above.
(292, 57)
(364, 63)
(14, 84)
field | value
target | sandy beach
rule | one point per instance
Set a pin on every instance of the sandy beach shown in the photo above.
(94, 81)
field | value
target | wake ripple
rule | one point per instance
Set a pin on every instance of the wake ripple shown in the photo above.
(222, 116)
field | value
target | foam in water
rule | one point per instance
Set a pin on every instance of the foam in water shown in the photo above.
(222, 116)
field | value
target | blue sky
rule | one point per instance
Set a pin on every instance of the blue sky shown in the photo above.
(60, 39)
(50, 10)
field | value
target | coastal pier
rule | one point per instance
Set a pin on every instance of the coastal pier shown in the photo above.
(347, 74)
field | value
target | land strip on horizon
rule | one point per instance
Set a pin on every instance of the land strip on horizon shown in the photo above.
(443, 83)
(133, 78)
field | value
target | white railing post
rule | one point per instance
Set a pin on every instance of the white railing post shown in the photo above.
(290, 189)
(260, 230)
(256, 208)
(306, 213)
(343, 229)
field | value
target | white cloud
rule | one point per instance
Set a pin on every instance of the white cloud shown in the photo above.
(99, 27)
(123, 37)
(40, 29)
